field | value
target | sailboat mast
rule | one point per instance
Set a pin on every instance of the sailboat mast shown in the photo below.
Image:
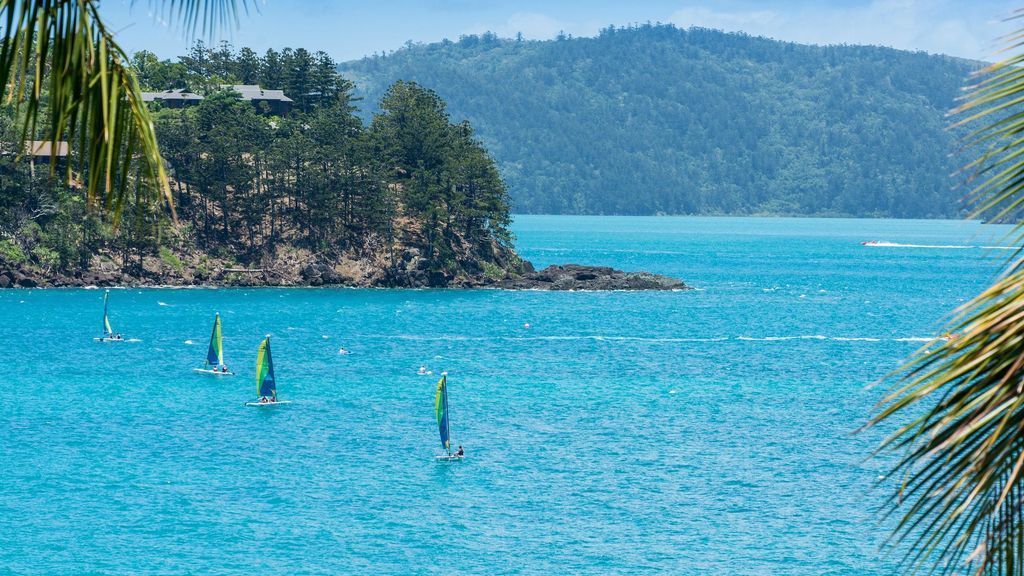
(220, 342)
(447, 415)
(106, 323)
(215, 352)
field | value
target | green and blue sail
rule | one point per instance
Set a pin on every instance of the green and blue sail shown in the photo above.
(215, 353)
(107, 330)
(441, 413)
(266, 385)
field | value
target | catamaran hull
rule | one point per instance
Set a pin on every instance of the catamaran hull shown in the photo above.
(108, 340)
(266, 404)
(446, 458)
(214, 372)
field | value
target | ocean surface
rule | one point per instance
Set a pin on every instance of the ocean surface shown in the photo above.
(697, 432)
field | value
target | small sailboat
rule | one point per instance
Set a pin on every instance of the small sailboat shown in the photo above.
(266, 384)
(443, 424)
(108, 332)
(215, 353)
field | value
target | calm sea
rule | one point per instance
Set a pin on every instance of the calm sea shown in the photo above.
(699, 432)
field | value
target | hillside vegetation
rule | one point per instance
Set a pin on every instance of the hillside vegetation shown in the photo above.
(312, 196)
(655, 119)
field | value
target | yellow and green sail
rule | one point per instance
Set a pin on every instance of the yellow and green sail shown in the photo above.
(215, 354)
(441, 413)
(266, 385)
(107, 330)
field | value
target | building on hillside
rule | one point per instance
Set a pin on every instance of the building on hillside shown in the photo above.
(44, 150)
(277, 103)
(37, 152)
(178, 98)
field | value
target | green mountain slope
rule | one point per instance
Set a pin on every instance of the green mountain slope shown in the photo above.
(654, 119)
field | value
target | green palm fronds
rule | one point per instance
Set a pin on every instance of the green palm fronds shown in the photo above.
(67, 79)
(960, 404)
(996, 104)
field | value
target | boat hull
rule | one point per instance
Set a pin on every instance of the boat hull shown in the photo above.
(212, 372)
(267, 404)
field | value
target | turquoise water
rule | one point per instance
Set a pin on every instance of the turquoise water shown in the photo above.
(700, 432)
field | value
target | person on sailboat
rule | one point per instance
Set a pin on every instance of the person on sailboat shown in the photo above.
(223, 368)
(461, 452)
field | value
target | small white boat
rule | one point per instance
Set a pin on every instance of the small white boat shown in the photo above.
(266, 384)
(215, 353)
(443, 424)
(268, 404)
(108, 332)
(213, 371)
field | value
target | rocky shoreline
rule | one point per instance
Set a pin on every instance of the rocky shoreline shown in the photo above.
(577, 277)
(568, 277)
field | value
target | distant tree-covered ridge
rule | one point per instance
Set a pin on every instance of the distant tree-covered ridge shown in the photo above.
(654, 119)
(301, 191)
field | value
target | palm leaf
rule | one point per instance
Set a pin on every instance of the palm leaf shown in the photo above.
(960, 403)
(59, 53)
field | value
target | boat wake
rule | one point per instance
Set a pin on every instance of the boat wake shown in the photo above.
(781, 338)
(646, 339)
(883, 244)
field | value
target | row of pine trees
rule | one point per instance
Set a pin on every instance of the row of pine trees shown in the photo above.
(246, 183)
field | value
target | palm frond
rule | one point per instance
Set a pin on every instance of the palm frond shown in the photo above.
(960, 403)
(67, 79)
(202, 15)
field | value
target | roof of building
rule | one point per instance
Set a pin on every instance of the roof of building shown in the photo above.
(35, 148)
(254, 92)
(177, 94)
(46, 148)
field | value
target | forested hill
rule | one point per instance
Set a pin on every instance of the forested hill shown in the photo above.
(655, 119)
(268, 189)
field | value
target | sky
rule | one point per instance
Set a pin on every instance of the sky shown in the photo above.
(348, 30)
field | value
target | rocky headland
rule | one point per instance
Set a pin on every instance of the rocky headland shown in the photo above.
(377, 263)
(348, 273)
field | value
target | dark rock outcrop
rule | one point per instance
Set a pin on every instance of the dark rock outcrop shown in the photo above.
(320, 273)
(577, 277)
(377, 265)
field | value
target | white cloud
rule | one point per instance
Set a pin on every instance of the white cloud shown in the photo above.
(538, 26)
(533, 25)
(905, 24)
(734, 21)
